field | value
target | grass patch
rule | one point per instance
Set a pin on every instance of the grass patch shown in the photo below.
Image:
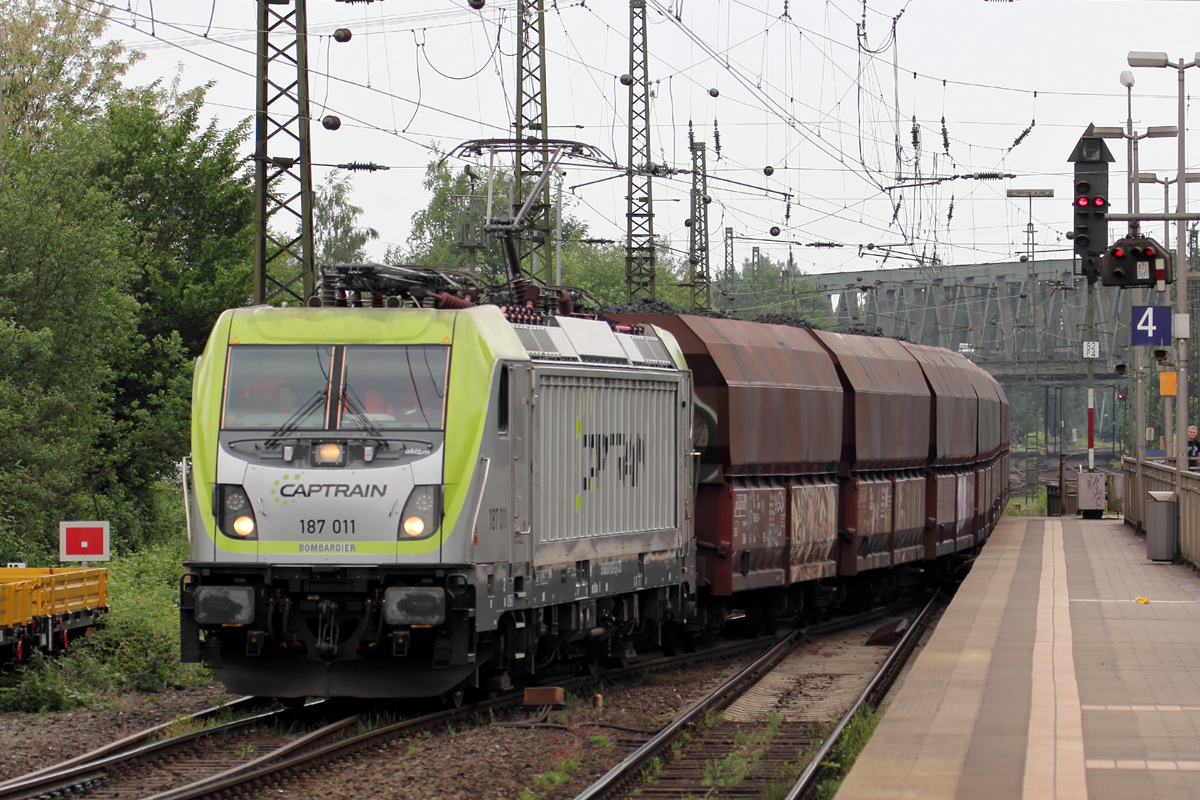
(547, 781)
(748, 751)
(841, 758)
(652, 770)
(1034, 506)
(183, 724)
(375, 721)
(136, 650)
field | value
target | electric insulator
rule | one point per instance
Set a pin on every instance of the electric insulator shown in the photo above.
(768, 171)
(687, 223)
(342, 35)
(627, 80)
(775, 230)
(707, 199)
(714, 92)
(476, 4)
(331, 122)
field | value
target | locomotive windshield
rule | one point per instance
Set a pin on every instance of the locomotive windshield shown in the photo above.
(380, 387)
(269, 385)
(391, 387)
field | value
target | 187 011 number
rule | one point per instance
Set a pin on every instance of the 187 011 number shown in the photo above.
(317, 526)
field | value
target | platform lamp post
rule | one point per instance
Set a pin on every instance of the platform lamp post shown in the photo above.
(1151, 177)
(1134, 205)
(1181, 324)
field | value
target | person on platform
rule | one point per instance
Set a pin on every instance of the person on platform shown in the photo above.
(1193, 450)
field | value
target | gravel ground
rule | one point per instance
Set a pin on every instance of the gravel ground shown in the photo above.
(481, 762)
(32, 741)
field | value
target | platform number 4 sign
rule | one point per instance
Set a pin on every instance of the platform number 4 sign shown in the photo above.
(1151, 326)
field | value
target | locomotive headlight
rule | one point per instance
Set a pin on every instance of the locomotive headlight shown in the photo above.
(235, 515)
(422, 513)
(328, 454)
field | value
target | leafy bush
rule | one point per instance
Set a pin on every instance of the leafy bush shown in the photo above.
(138, 648)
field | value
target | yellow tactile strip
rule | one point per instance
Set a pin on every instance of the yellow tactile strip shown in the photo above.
(1054, 763)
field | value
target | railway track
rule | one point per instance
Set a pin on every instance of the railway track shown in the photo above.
(729, 745)
(262, 751)
(191, 751)
(212, 757)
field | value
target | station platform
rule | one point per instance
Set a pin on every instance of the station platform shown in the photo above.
(1047, 678)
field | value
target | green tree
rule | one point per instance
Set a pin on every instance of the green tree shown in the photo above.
(125, 228)
(57, 65)
(68, 321)
(774, 288)
(433, 240)
(338, 237)
(187, 193)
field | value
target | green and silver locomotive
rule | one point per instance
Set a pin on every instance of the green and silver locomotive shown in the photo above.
(410, 501)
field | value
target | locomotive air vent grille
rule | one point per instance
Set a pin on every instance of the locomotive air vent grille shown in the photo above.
(594, 359)
(540, 344)
(652, 351)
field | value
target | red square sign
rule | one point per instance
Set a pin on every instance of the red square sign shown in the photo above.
(83, 541)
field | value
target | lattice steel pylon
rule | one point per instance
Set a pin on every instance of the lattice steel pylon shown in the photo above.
(532, 131)
(284, 261)
(699, 278)
(727, 276)
(639, 214)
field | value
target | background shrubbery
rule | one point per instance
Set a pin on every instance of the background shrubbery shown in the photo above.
(137, 650)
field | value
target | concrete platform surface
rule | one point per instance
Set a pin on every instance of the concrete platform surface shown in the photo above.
(1047, 678)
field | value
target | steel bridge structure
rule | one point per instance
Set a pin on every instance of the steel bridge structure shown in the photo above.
(1012, 318)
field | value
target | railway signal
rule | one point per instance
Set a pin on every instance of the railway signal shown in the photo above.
(1091, 158)
(1137, 261)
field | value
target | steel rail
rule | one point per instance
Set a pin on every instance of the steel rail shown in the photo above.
(124, 743)
(616, 778)
(81, 773)
(883, 679)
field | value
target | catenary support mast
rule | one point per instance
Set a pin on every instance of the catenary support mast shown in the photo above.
(639, 214)
(284, 261)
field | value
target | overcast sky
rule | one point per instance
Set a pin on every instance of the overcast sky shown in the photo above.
(808, 94)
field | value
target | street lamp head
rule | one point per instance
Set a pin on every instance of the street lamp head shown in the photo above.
(1140, 58)
(1109, 133)
(1147, 177)
(1162, 132)
(1127, 79)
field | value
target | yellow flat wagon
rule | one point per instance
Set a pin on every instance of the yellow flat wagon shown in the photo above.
(47, 607)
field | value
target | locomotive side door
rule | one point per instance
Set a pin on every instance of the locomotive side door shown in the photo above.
(522, 402)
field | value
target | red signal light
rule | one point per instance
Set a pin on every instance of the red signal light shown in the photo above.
(1118, 252)
(1149, 252)
(1099, 202)
(1082, 202)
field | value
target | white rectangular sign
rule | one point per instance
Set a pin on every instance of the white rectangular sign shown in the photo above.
(83, 541)
(1091, 349)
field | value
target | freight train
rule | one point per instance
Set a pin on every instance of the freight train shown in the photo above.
(402, 491)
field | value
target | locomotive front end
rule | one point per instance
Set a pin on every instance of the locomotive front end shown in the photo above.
(333, 459)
